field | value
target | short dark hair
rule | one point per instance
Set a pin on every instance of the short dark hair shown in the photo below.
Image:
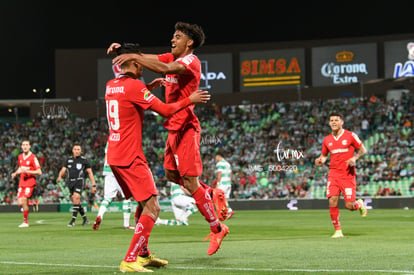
(341, 116)
(128, 48)
(193, 31)
(220, 153)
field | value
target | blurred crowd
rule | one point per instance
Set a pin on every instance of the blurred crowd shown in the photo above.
(271, 147)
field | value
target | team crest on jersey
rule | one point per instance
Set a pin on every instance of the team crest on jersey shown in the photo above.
(27, 162)
(147, 95)
(344, 142)
(78, 166)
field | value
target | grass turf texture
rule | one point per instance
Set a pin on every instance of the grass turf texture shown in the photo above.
(259, 242)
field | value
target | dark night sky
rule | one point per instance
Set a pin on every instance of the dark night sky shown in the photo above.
(32, 30)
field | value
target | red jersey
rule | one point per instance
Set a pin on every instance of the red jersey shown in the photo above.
(180, 86)
(30, 162)
(341, 149)
(125, 113)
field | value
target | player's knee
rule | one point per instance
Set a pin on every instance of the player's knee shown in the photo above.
(172, 175)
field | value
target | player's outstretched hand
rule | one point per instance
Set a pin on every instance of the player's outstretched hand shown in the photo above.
(113, 48)
(200, 96)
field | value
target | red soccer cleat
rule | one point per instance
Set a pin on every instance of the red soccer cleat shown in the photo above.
(229, 215)
(216, 239)
(97, 223)
(220, 203)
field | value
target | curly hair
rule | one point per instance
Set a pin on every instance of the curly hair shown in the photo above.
(193, 31)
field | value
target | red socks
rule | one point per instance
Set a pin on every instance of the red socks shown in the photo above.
(334, 211)
(26, 216)
(205, 206)
(140, 239)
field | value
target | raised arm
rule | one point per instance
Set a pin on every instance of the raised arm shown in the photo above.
(167, 110)
(151, 62)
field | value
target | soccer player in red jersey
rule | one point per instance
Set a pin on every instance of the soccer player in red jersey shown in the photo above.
(341, 145)
(126, 99)
(28, 169)
(182, 160)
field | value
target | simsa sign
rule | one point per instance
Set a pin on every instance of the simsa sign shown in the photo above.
(344, 64)
(270, 70)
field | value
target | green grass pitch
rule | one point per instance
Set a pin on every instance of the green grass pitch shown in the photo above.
(259, 242)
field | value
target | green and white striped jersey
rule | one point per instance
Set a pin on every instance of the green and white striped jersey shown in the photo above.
(224, 167)
(175, 190)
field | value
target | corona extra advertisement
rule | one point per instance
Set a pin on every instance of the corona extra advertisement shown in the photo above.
(345, 64)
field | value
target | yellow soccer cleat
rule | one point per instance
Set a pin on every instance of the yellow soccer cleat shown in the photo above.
(151, 260)
(363, 210)
(132, 267)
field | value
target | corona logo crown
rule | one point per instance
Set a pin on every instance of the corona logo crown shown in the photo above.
(344, 56)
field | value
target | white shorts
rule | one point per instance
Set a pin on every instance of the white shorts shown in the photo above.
(226, 189)
(181, 204)
(111, 187)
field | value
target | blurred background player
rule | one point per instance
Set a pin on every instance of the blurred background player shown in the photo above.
(111, 189)
(341, 145)
(182, 204)
(182, 159)
(224, 175)
(77, 165)
(28, 169)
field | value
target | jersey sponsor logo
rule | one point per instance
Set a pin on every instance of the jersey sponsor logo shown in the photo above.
(115, 137)
(115, 90)
(171, 79)
(339, 151)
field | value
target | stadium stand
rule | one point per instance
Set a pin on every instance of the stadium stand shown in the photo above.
(271, 147)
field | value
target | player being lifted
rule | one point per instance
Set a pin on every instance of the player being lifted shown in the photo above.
(341, 145)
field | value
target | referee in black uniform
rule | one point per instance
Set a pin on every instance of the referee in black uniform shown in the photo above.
(77, 165)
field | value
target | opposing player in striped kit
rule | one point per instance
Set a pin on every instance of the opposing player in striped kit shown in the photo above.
(182, 204)
(111, 189)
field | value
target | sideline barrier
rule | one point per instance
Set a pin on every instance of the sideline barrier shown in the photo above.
(300, 204)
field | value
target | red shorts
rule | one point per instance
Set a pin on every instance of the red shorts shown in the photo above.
(346, 186)
(25, 191)
(135, 180)
(182, 152)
